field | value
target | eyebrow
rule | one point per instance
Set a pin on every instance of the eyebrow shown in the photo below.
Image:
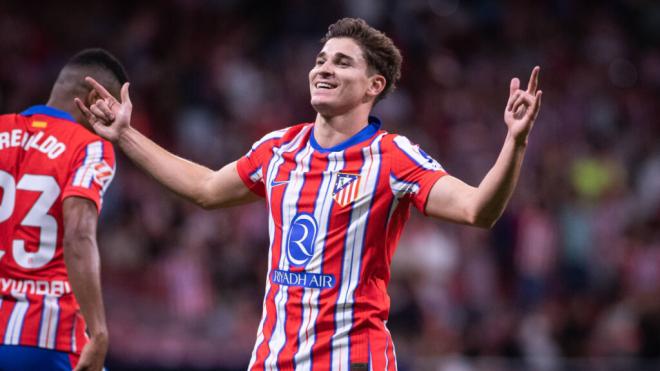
(338, 54)
(344, 56)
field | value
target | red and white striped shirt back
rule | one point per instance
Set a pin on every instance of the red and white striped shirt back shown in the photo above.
(45, 158)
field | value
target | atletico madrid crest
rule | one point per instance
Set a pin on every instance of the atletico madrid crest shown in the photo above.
(347, 188)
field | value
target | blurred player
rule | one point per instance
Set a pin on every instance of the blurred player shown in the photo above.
(339, 191)
(53, 173)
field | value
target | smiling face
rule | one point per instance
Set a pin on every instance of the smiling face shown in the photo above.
(341, 79)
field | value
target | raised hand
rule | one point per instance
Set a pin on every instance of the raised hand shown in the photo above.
(107, 116)
(523, 107)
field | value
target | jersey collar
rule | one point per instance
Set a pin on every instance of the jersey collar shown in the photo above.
(364, 134)
(48, 111)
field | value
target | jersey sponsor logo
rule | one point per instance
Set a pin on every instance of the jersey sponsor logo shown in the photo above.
(347, 187)
(102, 173)
(301, 239)
(39, 124)
(303, 279)
(41, 287)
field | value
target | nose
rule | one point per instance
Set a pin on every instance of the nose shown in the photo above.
(325, 69)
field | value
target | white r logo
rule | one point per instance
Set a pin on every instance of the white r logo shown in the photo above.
(301, 239)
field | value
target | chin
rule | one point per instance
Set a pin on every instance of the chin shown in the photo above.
(323, 107)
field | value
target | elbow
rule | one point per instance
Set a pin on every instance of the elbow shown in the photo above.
(483, 220)
(203, 196)
(205, 204)
(485, 223)
(203, 200)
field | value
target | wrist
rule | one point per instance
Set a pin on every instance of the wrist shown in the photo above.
(100, 336)
(519, 141)
(98, 329)
(126, 136)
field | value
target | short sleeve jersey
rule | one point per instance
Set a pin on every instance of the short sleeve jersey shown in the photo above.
(45, 157)
(335, 217)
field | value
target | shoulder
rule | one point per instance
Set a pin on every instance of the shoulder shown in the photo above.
(79, 133)
(279, 137)
(293, 131)
(398, 143)
(8, 119)
(392, 142)
(87, 142)
(400, 147)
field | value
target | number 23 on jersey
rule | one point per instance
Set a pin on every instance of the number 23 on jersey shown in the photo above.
(37, 216)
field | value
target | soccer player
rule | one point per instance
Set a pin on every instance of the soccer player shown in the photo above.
(338, 191)
(53, 173)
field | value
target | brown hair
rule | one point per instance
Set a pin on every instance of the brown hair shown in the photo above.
(379, 51)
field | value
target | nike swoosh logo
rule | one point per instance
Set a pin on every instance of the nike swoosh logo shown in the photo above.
(275, 183)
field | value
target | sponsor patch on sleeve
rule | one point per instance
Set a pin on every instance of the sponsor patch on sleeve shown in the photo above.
(103, 173)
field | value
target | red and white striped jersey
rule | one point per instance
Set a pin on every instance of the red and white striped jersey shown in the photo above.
(336, 215)
(45, 157)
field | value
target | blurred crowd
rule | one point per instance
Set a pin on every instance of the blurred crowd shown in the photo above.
(569, 278)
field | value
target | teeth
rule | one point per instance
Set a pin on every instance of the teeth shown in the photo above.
(323, 85)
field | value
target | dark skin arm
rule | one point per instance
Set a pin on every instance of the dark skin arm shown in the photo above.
(81, 256)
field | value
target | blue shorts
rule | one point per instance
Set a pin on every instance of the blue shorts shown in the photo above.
(24, 358)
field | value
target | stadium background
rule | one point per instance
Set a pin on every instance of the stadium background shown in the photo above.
(568, 279)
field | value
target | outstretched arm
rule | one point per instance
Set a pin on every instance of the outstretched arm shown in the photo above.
(199, 184)
(453, 200)
(81, 257)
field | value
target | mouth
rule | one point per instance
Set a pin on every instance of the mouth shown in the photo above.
(324, 85)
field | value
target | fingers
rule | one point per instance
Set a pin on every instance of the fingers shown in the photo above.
(514, 86)
(525, 100)
(93, 118)
(99, 127)
(533, 83)
(125, 98)
(97, 112)
(527, 105)
(106, 109)
(512, 99)
(83, 364)
(84, 367)
(83, 108)
(520, 106)
(99, 88)
(537, 104)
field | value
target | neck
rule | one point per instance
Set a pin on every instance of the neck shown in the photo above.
(67, 105)
(330, 131)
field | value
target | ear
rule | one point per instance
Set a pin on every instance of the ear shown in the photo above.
(377, 84)
(91, 97)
